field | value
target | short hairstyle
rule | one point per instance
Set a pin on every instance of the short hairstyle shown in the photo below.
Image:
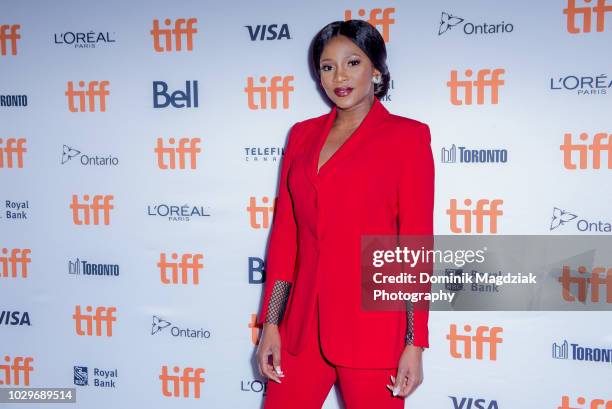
(366, 37)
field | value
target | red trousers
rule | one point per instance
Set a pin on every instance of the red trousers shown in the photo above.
(309, 377)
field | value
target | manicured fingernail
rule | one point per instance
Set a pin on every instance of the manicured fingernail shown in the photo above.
(278, 370)
(396, 391)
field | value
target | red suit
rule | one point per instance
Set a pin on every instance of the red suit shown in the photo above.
(379, 182)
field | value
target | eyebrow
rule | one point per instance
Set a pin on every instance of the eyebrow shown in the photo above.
(348, 56)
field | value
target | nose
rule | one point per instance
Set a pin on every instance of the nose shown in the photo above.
(340, 75)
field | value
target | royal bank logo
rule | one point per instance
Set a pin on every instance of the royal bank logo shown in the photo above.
(448, 22)
(69, 153)
(561, 217)
(100, 378)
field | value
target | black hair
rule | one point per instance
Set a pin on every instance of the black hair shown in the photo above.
(366, 37)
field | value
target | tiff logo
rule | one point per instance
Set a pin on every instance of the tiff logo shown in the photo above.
(15, 264)
(486, 78)
(601, 142)
(103, 315)
(479, 341)
(162, 37)
(260, 216)
(95, 89)
(12, 152)
(593, 404)
(375, 19)
(16, 367)
(599, 276)
(82, 212)
(586, 13)
(9, 37)
(255, 329)
(485, 209)
(171, 384)
(169, 270)
(257, 95)
(167, 155)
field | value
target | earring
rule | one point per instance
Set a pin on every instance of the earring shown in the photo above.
(377, 79)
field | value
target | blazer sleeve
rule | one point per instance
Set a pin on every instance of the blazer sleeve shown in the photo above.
(282, 245)
(416, 206)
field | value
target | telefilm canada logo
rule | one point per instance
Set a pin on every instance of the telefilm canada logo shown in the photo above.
(462, 154)
(562, 217)
(70, 154)
(450, 22)
(159, 325)
(263, 154)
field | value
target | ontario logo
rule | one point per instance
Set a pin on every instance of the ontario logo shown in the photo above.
(159, 325)
(449, 21)
(69, 153)
(561, 217)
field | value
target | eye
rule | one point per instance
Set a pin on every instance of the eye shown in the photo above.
(356, 62)
(325, 67)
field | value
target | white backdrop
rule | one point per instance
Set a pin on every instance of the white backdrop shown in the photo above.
(236, 169)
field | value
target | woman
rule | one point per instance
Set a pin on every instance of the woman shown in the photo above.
(355, 171)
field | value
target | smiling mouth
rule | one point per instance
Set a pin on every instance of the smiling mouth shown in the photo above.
(342, 91)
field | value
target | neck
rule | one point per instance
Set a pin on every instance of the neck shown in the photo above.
(352, 116)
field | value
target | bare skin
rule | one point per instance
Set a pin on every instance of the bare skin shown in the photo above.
(343, 64)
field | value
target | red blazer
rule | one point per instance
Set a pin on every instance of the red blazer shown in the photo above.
(380, 181)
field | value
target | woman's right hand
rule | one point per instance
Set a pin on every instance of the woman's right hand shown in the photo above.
(270, 345)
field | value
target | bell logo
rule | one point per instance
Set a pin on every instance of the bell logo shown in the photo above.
(259, 216)
(596, 277)
(102, 315)
(11, 372)
(14, 264)
(188, 262)
(601, 142)
(166, 155)
(262, 91)
(593, 404)
(12, 152)
(479, 341)
(486, 78)
(171, 384)
(586, 14)
(178, 98)
(94, 89)
(374, 19)
(484, 209)
(81, 212)
(9, 35)
(255, 329)
(162, 37)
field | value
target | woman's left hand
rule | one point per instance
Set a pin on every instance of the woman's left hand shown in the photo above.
(409, 372)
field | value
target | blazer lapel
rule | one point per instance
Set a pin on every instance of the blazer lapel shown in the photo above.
(377, 113)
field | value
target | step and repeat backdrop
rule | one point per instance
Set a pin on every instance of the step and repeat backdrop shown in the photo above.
(140, 144)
